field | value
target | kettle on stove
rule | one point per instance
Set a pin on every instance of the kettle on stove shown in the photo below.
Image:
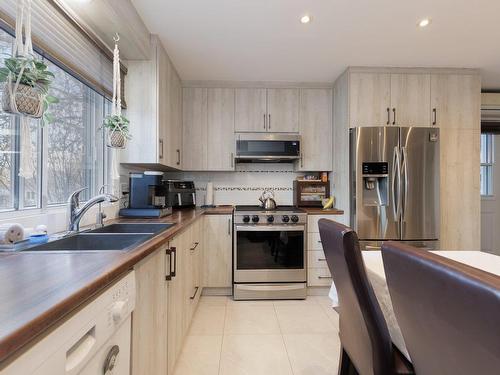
(267, 200)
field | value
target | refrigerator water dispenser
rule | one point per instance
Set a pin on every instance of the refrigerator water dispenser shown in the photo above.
(375, 184)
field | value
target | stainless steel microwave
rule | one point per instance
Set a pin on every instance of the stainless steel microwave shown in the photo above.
(267, 147)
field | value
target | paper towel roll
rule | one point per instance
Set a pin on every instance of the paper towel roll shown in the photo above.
(11, 232)
(209, 196)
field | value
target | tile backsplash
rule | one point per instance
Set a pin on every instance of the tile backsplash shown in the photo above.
(245, 185)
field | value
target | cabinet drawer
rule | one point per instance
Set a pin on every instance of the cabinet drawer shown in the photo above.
(319, 277)
(312, 221)
(316, 259)
(314, 241)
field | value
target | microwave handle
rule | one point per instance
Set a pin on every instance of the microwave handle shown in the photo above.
(179, 199)
(194, 198)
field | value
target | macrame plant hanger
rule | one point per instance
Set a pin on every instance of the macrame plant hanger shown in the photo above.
(116, 109)
(23, 47)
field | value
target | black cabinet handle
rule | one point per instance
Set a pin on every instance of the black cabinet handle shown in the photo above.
(394, 118)
(264, 120)
(178, 156)
(269, 122)
(195, 246)
(434, 112)
(174, 253)
(388, 115)
(195, 292)
(168, 276)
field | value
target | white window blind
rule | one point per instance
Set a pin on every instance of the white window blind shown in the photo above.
(55, 34)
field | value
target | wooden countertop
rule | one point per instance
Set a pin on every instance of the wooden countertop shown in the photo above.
(38, 289)
(321, 211)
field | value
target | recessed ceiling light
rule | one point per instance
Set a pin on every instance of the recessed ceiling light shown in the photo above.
(305, 18)
(424, 22)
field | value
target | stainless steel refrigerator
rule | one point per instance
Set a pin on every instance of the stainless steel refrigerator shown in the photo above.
(394, 185)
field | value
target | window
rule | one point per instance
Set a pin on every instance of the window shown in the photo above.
(68, 154)
(487, 164)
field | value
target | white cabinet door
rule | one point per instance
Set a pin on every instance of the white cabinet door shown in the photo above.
(283, 110)
(369, 99)
(250, 110)
(316, 130)
(410, 99)
(218, 251)
(194, 135)
(455, 101)
(220, 133)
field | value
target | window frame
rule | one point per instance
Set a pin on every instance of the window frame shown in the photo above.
(93, 180)
(488, 165)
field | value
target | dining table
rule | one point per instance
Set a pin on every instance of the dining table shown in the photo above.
(375, 270)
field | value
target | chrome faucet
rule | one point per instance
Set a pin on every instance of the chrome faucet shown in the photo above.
(76, 213)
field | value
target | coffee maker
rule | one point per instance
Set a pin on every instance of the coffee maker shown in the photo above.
(147, 195)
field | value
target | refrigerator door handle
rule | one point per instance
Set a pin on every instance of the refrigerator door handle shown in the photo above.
(405, 171)
(394, 161)
(396, 171)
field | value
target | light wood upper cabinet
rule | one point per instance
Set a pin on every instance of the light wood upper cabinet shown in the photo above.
(410, 99)
(369, 99)
(149, 319)
(194, 134)
(267, 110)
(250, 110)
(283, 110)
(315, 130)
(456, 100)
(173, 136)
(220, 140)
(218, 254)
(152, 92)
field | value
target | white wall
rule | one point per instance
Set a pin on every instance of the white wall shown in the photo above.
(490, 208)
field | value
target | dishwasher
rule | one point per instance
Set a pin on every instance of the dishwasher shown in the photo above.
(94, 341)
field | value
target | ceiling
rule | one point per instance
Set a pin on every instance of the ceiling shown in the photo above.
(263, 40)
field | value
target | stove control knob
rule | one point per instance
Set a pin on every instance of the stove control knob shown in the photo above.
(295, 218)
(246, 219)
(270, 219)
(255, 219)
(285, 218)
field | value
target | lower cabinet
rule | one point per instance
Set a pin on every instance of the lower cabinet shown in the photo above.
(318, 273)
(217, 255)
(184, 289)
(149, 319)
(168, 291)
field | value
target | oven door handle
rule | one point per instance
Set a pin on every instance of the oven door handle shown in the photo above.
(269, 228)
(253, 287)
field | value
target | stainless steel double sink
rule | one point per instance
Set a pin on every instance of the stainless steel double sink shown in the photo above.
(114, 237)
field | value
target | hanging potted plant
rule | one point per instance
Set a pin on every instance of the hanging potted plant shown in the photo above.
(26, 79)
(117, 125)
(26, 83)
(118, 130)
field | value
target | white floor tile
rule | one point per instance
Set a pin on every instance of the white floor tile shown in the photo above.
(332, 315)
(296, 302)
(200, 356)
(208, 320)
(313, 354)
(303, 319)
(231, 302)
(251, 319)
(254, 355)
(214, 300)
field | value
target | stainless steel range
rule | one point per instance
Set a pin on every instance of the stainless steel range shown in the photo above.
(269, 259)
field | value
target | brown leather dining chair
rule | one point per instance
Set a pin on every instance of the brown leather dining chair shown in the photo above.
(448, 312)
(367, 348)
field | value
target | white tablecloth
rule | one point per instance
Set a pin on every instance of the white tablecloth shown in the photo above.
(375, 270)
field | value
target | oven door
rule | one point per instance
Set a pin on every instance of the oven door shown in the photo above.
(269, 253)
